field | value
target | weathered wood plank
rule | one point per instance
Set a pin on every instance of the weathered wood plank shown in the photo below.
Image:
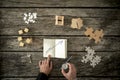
(107, 19)
(18, 78)
(59, 3)
(85, 78)
(15, 64)
(74, 43)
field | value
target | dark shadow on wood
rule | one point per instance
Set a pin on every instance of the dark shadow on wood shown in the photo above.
(107, 22)
(1, 2)
(0, 27)
(1, 21)
(7, 60)
(1, 60)
(110, 65)
(113, 2)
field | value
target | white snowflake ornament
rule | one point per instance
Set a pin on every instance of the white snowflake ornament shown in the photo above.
(91, 57)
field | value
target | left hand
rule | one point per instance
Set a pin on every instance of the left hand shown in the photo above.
(45, 65)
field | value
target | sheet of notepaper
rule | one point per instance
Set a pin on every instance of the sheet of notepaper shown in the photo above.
(49, 47)
(61, 48)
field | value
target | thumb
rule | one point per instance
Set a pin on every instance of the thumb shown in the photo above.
(63, 72)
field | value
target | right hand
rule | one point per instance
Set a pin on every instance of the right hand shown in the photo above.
(71, 74)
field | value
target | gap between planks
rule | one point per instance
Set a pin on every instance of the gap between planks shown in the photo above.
(63, 7)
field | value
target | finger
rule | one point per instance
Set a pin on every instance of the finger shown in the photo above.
(43, 62)
(40, 63)
(48, 59)
(70, 67)
(63, 72)
(51, 65)
(73, 67)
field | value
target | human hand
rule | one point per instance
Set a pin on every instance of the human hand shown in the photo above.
(45, 65)
(71, 74)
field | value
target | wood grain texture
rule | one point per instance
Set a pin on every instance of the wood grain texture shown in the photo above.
(59, 3)
(89, 78)
(74, 43)
(106, 19)
(99, 14)
(17, 64)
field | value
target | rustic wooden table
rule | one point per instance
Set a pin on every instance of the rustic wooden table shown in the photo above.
(99, 14)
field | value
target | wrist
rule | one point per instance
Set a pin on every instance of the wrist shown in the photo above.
(73, 79)
(44, 73)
